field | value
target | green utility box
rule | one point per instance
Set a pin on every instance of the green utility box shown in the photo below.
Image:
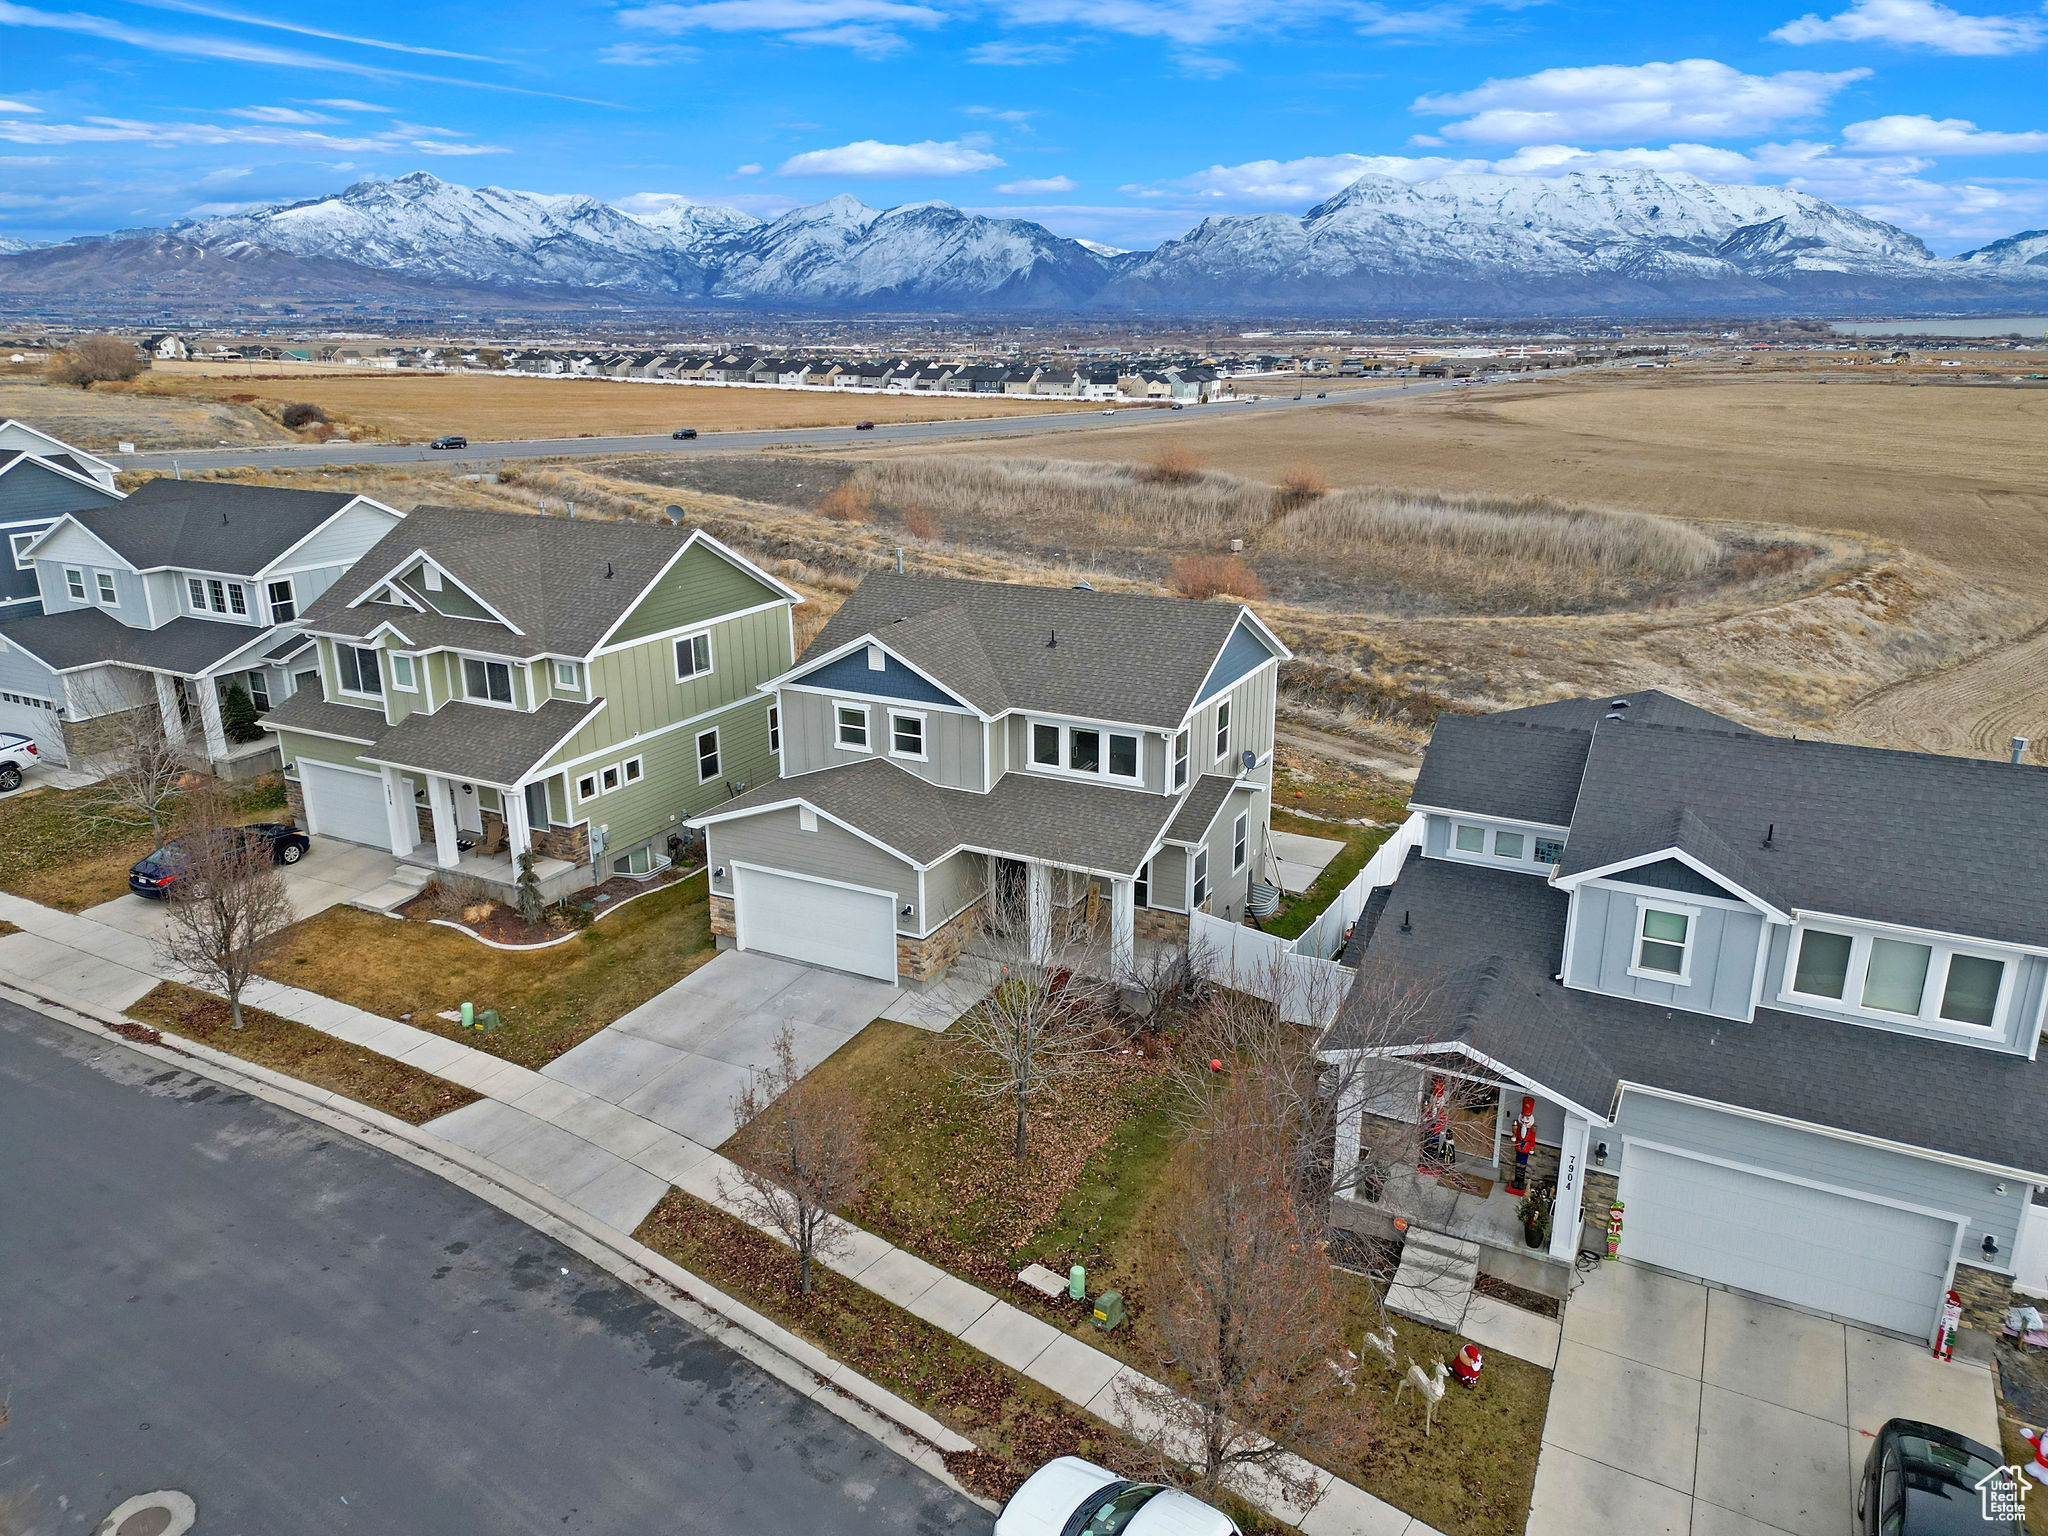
(1109, 1310)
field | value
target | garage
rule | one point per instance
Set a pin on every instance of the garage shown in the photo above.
(1824, 1249)
(346, 803)
(819, 922)
(27, 714)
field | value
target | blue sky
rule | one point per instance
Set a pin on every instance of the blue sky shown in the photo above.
(1119, 120)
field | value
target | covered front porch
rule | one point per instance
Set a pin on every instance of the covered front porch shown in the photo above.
(468, 830)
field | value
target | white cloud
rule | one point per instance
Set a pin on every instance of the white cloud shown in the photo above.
(1918, 24)
(649, 53)
(1018, 54)
(249, 19)
(1036, 184)
(751, 168)
(1427, 21)
(7, 105)
(124, 130)
(280, 115)
(1191, 23)
(350, 104)
(1923, 135)
(1692, 98)
(865, 26)
(1015, 116)
(869, 157)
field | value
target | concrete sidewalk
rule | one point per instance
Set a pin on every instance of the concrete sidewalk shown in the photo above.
(615, 1166)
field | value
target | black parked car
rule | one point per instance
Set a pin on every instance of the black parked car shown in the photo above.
(863, 426)
(156, 874)
(684, 434)
(452, 440)
(1920, 1480)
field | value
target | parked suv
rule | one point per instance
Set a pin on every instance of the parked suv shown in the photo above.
(684, 434)
(1921, 1480)
(451, 440)
(17, 754)
(154, 875)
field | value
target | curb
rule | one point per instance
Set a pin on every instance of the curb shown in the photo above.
(836, 1387)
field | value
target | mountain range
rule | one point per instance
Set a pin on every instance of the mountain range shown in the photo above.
(1583, 243)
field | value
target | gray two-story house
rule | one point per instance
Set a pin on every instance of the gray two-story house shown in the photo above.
(161, 600)
(41, 478)
(948, 743)
(1779, 999)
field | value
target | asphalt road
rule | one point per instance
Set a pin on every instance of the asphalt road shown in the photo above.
(485, 453)
(201, 1292)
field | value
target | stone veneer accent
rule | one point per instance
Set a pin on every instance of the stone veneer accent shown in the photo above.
(294, 803)
(101, 733)
(1160, 927)
(922, 959)
(1985, 1296)
(722, 924)
(570, 844)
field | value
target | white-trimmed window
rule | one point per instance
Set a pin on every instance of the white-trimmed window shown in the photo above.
(632, 770)
(906, 735)
(1549, 850)
(850, 726)
(357, 666)
(1141, 888)
(774, 728)
(639, 862)
(1468, 839)
(1936, 982)
(1084, 749)
(1222, 730)
(197, 590)
(693, 656)
(1045, 745)
(109, 594)
(1201, 876)
(238, 599)
(74, 583)
(1091, 750)
(1123, 758)
(1240, 840)
(568, 675)
(404, 673)
(707, 755)
(19, 543)
(1180, 761)
(284, 601)
(430, 577)
(586, 786)
(1509, 845)
(1664, 934)
(216, 594)
(487, 682)
(259, 691)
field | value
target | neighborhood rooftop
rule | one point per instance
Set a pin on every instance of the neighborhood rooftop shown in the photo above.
(209, 525)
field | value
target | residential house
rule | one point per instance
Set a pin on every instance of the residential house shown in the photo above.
(162, 599)
(1058, 381)
(41, 478)
(1778, 1001)
(166, 348)
(946, 743)
(933, 376)
(496, 682)
(980, 378)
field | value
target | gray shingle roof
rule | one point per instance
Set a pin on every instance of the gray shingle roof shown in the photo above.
(475, 741)
(563, 581)
(210, 525)
(80, 637)
(1519, 769)
(1652, 706)
(1483, 944)
(1026, 816)
(1118, 656)
(1198, 808)
(307, 711)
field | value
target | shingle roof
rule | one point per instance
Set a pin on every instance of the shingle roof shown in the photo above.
(563, 581)
(307, 711)
(1492, 766)
(1026, 816)
(79, 637)
(1483, 945)
(1198, 808)
(1118, 656)
(475, 741)
(210, 525)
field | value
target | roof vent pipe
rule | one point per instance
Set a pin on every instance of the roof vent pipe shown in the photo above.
(899, 559)
(1770, 834)
(2019, 750)
(1053, 641)
(572, 509)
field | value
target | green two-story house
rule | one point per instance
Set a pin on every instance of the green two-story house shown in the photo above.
(493, 682)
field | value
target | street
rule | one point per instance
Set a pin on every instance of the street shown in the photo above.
(206, 1293)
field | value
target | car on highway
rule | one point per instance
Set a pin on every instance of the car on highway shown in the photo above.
(1322, 394)
(684, 434)
(863, 426)
(17, 756)
(1071, 1497)
(1922, 1480)
(1178, 406)
(1109, 410)
(155, 874)
(450, 440)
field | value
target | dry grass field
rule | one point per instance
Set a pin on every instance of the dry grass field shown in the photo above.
(415, 406)
(99, 419)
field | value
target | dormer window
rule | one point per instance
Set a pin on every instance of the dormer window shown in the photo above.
(1664, 942)
(357, 666)
(488, 682)
(108, 594)
(1892, 978)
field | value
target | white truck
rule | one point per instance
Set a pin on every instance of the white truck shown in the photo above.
(17, 756)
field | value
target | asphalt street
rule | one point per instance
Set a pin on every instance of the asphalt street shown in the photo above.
(201, 1292)
(486, 453)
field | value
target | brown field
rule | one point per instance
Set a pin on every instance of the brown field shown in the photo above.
(99, 419)
(408, 406)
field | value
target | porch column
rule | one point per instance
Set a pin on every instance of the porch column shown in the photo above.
(1123, 949)
(1350, 1119)
(441, 803)
(1571, 1188)
(167, 706)
(1038, 911)
(209, 718)
(518, 835)
(399, 815)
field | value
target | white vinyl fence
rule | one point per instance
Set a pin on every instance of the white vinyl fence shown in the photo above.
(1301, 975)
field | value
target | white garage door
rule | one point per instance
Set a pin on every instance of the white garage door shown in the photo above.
(816, 922)
(344, 804)
(1816, 1248)
(24, 714)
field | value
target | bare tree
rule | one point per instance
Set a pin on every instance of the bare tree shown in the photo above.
(227, 901)
(1245, 1311)
(808, 1157)
(91, 359)
(141, 766)
(1048, 1016)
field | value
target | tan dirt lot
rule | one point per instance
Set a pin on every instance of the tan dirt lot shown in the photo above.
(97, 420)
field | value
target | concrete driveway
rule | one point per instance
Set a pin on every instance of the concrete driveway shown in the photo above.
(1681, 1409)
(330, 874)
(679, 1059)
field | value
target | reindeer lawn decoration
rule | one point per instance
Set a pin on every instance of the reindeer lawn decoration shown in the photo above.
(1382, 1344)
(1430, 1386)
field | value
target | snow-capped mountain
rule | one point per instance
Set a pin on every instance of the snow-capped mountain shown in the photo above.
(1617, 242)
(2028, 249)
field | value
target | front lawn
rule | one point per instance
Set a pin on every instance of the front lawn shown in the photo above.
(59, 849)
(302, 1052)
(548, 999)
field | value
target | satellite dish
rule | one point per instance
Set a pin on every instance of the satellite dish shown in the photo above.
(675, 513)
(1249, 758)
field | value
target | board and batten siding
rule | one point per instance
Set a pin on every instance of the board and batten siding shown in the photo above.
(668, 790)
(129, 605)
(450, 600)
(1169, 885)
(21, 672)
(1830, 1160)
(951, 886)
(294, 745)
(639, 687)
(776, 840)
(341, 541)
(34, 490)
(1723, 960)
(698, 589)
(810, 739)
